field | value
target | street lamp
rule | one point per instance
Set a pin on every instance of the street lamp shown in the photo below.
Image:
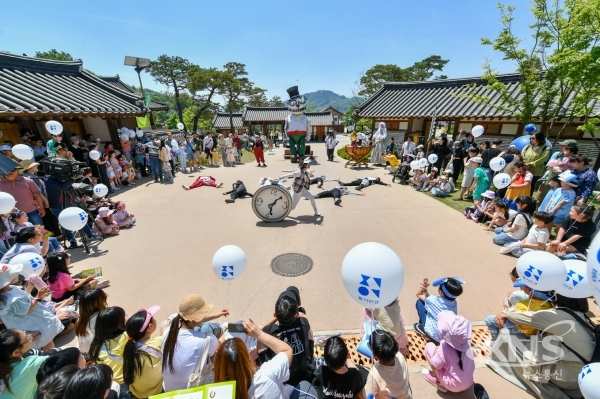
(140, 64)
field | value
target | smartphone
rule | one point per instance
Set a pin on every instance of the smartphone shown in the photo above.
(236, 327)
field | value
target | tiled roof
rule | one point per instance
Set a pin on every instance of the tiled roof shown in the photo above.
(37, 86)
(119, 84)
(278, 114)
(221, 120)
(418, 99)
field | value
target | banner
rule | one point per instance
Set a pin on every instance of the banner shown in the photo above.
(143, 121)
(220, 390)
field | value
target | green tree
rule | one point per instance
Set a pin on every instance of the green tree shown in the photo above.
(237, 89)
(54, 55)
(258, 99)
(560, 74)
(172, 72)
(204, 84)
(373, 79)
(276, 101)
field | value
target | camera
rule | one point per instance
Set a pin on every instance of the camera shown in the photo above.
(60, 169)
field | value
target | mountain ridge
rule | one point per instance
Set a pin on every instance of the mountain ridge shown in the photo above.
(321, 99)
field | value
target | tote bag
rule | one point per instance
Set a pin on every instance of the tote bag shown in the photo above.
(203, 373)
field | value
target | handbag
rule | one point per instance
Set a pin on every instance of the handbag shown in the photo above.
(203, 373)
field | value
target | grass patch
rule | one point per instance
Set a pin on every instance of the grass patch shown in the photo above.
(449, 201)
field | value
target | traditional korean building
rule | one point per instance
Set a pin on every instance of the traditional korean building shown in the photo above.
(222, 123)
(337, 119)
(118, 83)
(407, 109)
(33, 91)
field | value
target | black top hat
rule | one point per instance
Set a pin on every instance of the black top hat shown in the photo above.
(293, 91)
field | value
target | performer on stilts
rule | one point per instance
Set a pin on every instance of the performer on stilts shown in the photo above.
(302, 185)
(297, 125)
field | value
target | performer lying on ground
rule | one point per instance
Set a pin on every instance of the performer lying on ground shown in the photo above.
(336, 194)
(365, 182)
(239, 191)
(203, 181)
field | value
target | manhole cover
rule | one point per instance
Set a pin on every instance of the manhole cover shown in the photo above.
(291, 265)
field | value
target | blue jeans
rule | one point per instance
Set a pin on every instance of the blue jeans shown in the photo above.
(68, 233)
(439, 193)
(495, 328)
(212, 328)
(54, 245)
(502, 238)
(35, 218)
(420, 305)
(156, 168)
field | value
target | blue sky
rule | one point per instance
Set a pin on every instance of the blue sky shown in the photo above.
(314, 44)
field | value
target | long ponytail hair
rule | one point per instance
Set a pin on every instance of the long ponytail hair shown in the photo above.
(170, 343)
(109, 325)
(9, 342)
(132, 355)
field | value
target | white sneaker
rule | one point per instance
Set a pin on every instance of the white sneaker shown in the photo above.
(103, 284)
(220, 185)
(185, 187)
(317, 213)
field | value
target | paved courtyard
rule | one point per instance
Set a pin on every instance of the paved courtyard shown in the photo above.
(168, 253)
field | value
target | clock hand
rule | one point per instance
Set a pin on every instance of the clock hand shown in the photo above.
(272, 205)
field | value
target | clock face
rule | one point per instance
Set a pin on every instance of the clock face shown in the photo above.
(272, 203)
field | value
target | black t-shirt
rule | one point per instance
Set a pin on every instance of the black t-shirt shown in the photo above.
(295, 335)
(331, 385)
(584, 229)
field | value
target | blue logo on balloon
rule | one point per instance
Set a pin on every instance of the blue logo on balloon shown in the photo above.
(585, 371)
(574, 277)
(505, 181)
(364, 286)
(533, 272)
(227, 271)
(35, 263)
(82, 216)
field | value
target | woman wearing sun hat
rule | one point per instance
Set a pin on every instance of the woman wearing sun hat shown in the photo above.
(452, 362)
(185, 339)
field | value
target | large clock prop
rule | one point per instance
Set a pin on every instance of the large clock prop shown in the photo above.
(272, 203)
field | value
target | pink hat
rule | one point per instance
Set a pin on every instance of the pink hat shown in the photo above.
(455, 330)
(105, 212)
(150, 312)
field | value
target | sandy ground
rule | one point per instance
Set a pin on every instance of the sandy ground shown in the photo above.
(168, 253)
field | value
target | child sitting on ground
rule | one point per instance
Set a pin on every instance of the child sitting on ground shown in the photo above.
(432, 179)
(418, 180)
(452, 364)
(390, 319)
(389, 374)
(429, 306)
(480, 208)
(500, 215)
(62, 285)
(122, 217)
(520, 224)
(534, 301)
(340, 378)
(128, 175)
(105, 222)
(443, 187)
(558, 202)
(536, 239)
(575, 233)
(514, 296)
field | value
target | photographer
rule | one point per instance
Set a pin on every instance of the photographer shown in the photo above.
(60, 193)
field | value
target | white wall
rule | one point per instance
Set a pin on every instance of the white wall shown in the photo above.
(465, 126)
(403, 126)
(417, 124)
(509, 128)
(98, 127)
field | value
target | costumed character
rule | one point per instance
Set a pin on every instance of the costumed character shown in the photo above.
(203, 181)
(315, 180)
(302, 185)
(336, 194)
(238, 191)
(297, 125)
(379, 143)
(365, 182)
(362, 140)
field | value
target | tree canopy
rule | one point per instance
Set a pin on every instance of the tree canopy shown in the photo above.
(54, 55)
(372, 80)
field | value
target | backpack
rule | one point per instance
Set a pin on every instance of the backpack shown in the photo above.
(594, 329)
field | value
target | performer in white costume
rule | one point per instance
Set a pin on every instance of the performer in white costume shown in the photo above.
(301, 185)
(379, 142)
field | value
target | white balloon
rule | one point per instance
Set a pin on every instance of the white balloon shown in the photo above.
(22, 151)
(73, 218)
(432, 158)
(94, 155)
(32, 263)
(477, 130)
(131, 134)
(7, 203)
(124, 130)
(139, 133)
(174, 143)
(415, 165)
(577, 283)
(501, 180)
(589, 381)
(229, 262)
(100, 190)
(372, 274)
(54, 127)
(497, 164)
(180, 126)
(423, 162)
(125, 137)
(593, 267)
(541, 270)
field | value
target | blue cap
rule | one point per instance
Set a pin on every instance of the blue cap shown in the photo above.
(539, 294)
(569, 178)
(441, 282)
